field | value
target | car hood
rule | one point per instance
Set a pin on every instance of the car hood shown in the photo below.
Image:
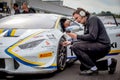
(18, 46)
(17, 37)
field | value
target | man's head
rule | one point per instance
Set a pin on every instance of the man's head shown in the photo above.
(24, 6)
(15, 6)
(80, 15)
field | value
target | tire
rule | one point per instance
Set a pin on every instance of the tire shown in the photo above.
(61, 55)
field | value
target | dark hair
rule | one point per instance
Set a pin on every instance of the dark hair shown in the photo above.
(15, 4)
(62, 21)
(81, 9)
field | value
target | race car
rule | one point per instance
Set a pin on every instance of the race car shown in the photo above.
(113, 30)
(32, 43)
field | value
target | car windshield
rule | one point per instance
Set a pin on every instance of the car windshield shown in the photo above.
(29, 21)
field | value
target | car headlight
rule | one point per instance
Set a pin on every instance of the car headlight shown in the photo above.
(31, 44)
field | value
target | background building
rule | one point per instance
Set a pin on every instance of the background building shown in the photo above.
(42, 6)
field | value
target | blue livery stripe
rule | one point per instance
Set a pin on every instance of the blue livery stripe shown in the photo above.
(28, 64)
(25, 63)
(9, 32)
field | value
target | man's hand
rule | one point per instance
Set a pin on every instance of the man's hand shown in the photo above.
(66, 43)
(72, 35)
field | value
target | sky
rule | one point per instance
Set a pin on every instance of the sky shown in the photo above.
(95, 5)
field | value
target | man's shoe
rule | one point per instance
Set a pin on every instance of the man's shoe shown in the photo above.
(89, 72)
(112, 67)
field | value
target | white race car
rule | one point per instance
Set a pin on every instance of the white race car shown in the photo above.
(32, 43)
(113, 30)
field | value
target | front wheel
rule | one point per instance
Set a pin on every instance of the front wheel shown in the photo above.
(61, 55)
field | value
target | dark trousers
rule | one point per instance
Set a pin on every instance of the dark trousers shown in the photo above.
(89, 53)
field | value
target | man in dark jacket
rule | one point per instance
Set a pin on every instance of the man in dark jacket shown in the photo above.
(16, 8)
(26, 9)
(93, 45)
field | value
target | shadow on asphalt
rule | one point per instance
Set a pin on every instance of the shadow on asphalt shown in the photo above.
(26, 76)
(4, 76)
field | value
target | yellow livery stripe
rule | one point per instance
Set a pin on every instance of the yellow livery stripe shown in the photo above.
(114, 51)
(13, 32)
(1, 31)
(20, 57)
(56, 25)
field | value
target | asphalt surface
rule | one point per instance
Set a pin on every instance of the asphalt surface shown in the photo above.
(70, 73)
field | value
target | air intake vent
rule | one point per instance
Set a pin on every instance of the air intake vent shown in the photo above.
(16, 64)
(2, 63)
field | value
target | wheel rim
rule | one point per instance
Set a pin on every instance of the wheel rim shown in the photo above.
(61, 57)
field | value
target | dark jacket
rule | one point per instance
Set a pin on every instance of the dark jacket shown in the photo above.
(17, 11)
(31, 10)
(94, 31)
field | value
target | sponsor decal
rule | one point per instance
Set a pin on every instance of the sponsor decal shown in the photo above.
(45, 55)
(51, 36)
(37, 36)
(16, 50)
(47, 43)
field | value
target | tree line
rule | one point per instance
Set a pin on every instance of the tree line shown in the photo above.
(107, 12)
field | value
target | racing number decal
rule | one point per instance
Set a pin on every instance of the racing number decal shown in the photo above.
(114, 45)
